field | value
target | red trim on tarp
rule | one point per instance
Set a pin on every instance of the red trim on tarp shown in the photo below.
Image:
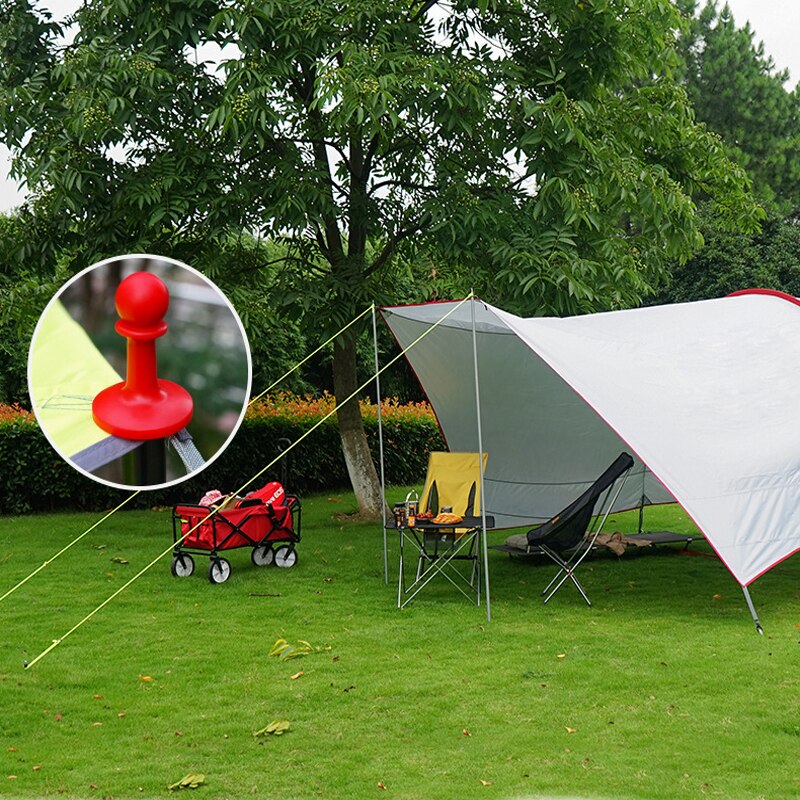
(775, 564)
(768, 292)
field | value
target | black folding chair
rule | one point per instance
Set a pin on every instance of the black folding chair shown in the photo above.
(565, 538)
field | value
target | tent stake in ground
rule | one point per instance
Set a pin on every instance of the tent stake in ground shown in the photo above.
(752, 608)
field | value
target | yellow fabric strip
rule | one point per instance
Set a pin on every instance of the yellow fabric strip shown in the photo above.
(66, 372)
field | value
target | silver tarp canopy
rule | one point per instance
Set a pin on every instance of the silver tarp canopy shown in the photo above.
(705, 394)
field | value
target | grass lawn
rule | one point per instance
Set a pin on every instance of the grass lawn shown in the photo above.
(661, 690)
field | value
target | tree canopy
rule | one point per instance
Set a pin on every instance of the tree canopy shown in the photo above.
(542, 149)
(738, 92)
(545, 136)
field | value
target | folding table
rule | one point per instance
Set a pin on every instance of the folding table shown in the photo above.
(441, 550)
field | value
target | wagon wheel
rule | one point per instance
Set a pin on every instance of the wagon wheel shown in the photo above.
(262, 555)
(182, 565)
(285, 556)
(219, 570)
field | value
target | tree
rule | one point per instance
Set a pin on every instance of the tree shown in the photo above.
(733, 260)
(738, 92)
(542, 148)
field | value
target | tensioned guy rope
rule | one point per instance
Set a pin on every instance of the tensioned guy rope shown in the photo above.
(131, 496)
(141, 572)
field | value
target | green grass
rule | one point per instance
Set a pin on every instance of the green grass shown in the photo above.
(661, 690)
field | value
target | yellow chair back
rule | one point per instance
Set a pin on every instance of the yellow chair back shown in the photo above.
(453, 480)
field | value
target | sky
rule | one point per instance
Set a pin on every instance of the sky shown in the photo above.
(775, 22)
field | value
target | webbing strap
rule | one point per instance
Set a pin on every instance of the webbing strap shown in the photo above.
(183, 445)
(100, 453)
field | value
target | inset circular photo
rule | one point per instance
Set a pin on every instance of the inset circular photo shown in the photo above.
(139, 371)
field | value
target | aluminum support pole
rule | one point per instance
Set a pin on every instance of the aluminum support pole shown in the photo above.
(480, 462)
(380, 449)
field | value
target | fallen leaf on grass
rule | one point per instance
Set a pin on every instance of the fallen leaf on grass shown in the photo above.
(13, 750)
(382, 785)
(121, 714)
(118, 560)
(96, 724)
(37, 767)
(561, 655)
(97, 697)
(485, 783)
(146, 678)
(58, 716)
(569, 730)
(466, 732)
(11, 777)
(285, 650)
(276, 728)
(297, 675)
(191, 781)
(717, 597)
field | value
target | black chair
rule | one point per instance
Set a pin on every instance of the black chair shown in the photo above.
(565, 538)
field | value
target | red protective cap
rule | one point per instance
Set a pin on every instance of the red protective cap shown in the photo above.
(143, 406)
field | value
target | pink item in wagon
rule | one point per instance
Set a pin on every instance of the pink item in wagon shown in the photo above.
(210, 497)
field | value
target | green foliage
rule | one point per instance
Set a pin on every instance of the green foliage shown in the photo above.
(25, 292)
(541, 148)
(730, 261)
(36, 478)
(737, 91)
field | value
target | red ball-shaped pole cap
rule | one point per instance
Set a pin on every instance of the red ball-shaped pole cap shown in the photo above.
(144, 406)
(142, 300)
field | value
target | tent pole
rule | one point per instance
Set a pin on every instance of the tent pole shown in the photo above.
(641, 505)
(150, 463)
(752, 610)
(480, 463)
(380, 448)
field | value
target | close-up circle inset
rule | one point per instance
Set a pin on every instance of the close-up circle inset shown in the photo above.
(139, 371)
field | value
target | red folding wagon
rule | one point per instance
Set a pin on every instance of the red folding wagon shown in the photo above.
(267, 520)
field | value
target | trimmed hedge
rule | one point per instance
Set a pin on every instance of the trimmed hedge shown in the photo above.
(34, 477)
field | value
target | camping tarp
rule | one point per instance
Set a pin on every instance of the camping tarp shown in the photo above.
(705, 395)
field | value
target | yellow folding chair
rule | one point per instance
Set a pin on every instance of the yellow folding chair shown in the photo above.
(452, 485)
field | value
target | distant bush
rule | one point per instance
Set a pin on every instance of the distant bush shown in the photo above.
(36, 479)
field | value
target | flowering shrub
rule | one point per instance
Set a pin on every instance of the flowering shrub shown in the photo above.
(36, 479)
(15, 414)
(410, 432)
(312, 409)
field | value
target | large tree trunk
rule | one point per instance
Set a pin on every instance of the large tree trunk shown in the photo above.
(360, 465)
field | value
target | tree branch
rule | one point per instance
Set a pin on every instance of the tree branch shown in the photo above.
(422, 10)
(388, 249)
